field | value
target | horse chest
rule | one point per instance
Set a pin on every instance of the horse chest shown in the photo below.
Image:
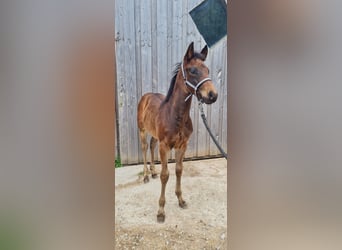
(180, 139)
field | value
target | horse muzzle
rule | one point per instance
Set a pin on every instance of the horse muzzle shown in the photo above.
(208, 97)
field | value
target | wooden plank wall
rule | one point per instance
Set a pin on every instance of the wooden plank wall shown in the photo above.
(151, 36)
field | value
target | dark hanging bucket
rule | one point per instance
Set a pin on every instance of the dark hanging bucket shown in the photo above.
(210, 18)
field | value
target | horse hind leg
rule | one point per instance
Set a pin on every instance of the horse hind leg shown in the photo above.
(153, 144)
(144, 147)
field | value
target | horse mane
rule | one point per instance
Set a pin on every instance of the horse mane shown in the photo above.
(172, 83)
(196, 55)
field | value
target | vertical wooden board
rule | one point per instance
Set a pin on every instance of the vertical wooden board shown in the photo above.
(161, 48)
(185, 19)
(121, 77)
(154, 28)
(222, 90)
(225, 101)
(176, 32)
(131, 103)
(223, 123)
(155, 67)
(162, 73)
(138, 66)
(169, 39)
(137, 40)
(154, 48)
(121, 62)
(217, 77)
(145, 46)
(143, 28)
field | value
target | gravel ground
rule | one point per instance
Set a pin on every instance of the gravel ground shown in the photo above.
(203, 225)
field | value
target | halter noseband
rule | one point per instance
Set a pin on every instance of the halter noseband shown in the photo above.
(191, 85)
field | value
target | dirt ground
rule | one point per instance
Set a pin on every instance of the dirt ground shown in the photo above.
(202, 225)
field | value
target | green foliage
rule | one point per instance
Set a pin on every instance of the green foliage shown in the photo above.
(14, 235)
(118, 162)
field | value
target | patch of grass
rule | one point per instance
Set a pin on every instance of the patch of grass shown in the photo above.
(118, 162)
(14, 234)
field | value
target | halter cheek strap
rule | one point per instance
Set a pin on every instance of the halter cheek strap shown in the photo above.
(192, 85)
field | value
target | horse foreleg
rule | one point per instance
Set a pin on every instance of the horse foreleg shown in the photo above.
(153, 144)
(164, 177)
(144, 147)
(179, 169)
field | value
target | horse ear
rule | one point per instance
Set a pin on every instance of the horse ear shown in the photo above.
(190, 52)
(204, 52)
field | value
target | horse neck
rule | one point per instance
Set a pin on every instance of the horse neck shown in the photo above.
(180, 108)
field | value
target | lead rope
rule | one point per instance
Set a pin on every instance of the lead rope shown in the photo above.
(208, 129)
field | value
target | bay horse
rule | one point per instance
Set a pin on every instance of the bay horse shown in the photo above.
(167, 118)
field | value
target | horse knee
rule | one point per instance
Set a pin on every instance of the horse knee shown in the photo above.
(144, 146)
(179, 171)
(164, 177)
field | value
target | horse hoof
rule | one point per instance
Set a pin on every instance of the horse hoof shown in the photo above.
(183, 204)
(146, 179)
(154, 176)
(160, 218)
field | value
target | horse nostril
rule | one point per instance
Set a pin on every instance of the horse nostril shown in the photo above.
(212, 96)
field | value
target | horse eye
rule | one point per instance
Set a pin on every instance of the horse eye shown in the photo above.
(193, 71)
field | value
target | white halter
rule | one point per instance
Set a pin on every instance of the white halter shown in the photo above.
(192, 85)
